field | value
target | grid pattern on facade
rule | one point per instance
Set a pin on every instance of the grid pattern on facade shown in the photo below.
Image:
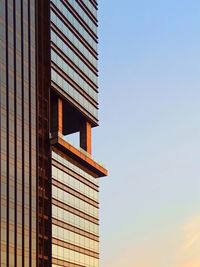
(48, 89)
(74, 55)
(75, 236)
(18, 133)
(44, 154)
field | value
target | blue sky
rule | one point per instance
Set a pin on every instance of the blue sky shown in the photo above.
(149, 134)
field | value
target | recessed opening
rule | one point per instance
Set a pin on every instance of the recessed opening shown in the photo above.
(70, 124)
(72, 119)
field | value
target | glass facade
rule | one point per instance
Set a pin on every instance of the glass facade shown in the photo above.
(48, 82)
(18, 133)
(75, 227)
(75, 223)
(74, 53)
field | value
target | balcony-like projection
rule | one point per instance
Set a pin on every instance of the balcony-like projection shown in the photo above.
(65, 121)
(81, 157)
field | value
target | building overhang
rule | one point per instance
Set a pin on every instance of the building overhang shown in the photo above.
(81, 157)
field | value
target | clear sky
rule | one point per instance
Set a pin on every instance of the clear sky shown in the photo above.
(149, 134)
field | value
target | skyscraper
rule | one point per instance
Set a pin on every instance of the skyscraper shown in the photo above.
(48, 85)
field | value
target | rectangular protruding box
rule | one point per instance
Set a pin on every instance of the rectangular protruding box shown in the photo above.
(81, 158)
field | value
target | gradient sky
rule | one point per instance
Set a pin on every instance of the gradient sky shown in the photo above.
(149, 134)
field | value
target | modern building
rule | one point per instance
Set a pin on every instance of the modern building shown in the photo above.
(48, 91)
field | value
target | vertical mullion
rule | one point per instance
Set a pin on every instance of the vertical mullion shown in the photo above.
(30, 140)
(7, 132)
(0, 157)
(23, 169)
(15, 130)
(37, 120)
(19, 132)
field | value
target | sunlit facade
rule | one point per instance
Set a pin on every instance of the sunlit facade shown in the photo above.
(75, 223)
(75, 236)
(49, 188)
(18, 153)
